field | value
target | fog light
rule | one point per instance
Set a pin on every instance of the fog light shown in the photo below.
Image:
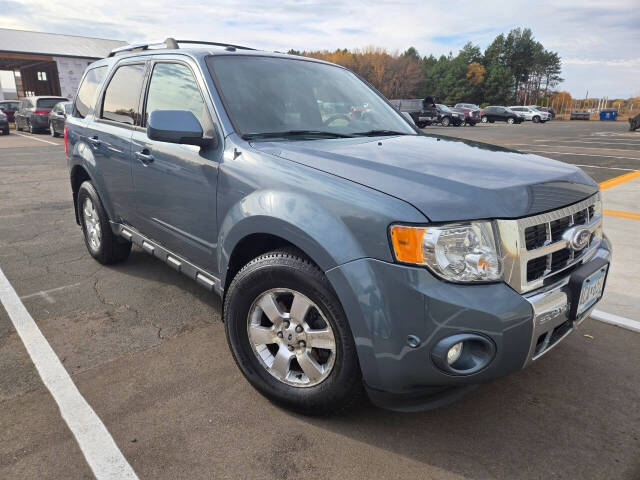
(463, 353)
(454, 353)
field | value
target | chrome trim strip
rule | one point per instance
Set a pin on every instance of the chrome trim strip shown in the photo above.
(147, 247)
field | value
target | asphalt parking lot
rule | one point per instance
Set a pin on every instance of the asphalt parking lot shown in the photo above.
(145, 347)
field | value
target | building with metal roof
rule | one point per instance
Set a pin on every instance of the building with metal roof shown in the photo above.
(48, 63)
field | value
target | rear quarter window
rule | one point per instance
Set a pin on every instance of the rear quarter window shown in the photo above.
(86, 96)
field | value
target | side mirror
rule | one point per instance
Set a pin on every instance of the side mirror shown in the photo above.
(176, 126)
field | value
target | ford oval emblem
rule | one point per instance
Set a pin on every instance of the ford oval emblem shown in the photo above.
(578, 237)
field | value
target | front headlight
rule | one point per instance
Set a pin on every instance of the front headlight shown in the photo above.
(461, 252)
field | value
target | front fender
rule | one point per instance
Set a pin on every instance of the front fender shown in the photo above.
(316, 231)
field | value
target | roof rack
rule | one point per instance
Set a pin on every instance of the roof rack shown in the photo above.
(173, 44)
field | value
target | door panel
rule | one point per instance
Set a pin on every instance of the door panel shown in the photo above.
(175, 198)
(175, 185)
(110, 135)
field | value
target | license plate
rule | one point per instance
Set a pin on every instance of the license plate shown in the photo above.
(591, 290)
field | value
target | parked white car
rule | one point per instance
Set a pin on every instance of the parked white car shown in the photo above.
(530, 113)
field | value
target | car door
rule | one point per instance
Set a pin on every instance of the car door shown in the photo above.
(109, 135)
(501, 114)
(175, 185)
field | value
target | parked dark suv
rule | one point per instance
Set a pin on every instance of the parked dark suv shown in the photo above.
(500, 114)
(33, 114)
(350, 251)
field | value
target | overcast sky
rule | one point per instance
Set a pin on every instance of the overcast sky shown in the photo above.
(599, 41)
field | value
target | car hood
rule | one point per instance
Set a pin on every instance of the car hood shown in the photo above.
(446, 179)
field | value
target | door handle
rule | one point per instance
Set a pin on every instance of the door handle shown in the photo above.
(94, 141)
(144, 156)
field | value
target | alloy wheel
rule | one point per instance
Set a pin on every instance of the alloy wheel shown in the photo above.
(291, 337)
(92, 224)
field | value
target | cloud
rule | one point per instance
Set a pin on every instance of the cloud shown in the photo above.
(580, 30)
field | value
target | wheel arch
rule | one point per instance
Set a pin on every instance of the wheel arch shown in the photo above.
(271, 219)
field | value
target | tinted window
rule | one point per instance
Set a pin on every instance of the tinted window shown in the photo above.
(87, 92)
(47, 102)
(173, 87)
(122, 95)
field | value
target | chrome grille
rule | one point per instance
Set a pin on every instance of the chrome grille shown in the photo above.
(534, 248)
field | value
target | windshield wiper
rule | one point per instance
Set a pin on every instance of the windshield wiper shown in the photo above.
(295, 133)
(376, 133)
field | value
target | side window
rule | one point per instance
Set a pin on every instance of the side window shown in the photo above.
(87, 93)
(173, 87)
(122, 95)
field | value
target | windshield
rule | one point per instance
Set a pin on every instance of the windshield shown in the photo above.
(444, 108)
(266, 95)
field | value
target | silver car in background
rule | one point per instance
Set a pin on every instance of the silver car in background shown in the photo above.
(531, 114)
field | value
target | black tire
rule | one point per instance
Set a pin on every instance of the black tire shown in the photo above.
(290, 269)
(484, 119)
(111, 249)
(536, 119)
(511, 120)
(446, 121)
(5, 132)
(421, 124)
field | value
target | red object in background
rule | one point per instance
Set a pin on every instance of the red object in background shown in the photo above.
(42, 112)
(66, 149)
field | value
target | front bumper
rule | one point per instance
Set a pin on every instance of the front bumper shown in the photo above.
(390, 305)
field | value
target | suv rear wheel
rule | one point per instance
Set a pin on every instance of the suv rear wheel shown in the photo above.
(289, 334)
(536, 119)
(102, 243)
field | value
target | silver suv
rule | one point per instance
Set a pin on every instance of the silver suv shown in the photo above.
(530, 113)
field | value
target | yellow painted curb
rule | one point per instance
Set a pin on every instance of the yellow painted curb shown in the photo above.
(612, 182)
(621, 214)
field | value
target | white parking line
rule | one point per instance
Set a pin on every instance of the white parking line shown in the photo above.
(571, 146)
(99, 449)
(612, 319)
(605, 142)
(34, 138)
(606, 168)
(46, 293)
(581, 154)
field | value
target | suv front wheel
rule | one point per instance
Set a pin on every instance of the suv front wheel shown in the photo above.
(289, 334)
(102, 243)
